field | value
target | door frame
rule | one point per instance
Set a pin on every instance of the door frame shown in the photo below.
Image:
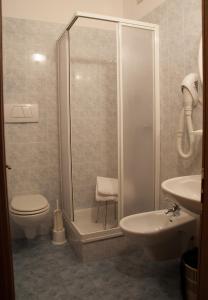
(7, 291)
(203, 255)
(6, 264)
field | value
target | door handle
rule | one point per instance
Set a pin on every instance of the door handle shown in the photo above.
(8, 167)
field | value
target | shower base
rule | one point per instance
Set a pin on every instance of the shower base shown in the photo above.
(90, 228)
(90, 240)
(87, 220)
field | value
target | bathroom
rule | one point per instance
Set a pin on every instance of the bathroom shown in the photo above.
(99, 99)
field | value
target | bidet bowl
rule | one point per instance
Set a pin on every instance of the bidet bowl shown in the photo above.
(155, 227)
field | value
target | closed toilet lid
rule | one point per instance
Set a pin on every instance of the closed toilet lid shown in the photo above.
(29, 203)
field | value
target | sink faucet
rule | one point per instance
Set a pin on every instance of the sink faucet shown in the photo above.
(174, 209)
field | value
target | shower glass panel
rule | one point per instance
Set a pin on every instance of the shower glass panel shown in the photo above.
(137, 77)
(93, 111)
(109, 121)
(64, 126)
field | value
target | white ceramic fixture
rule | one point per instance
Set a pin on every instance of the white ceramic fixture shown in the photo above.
(186, 191)
(29, 212)
(158, 231)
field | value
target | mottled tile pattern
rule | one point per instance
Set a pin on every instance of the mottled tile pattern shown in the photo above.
(32, 149)
(44, 271)
(93, 106)
(180, 33)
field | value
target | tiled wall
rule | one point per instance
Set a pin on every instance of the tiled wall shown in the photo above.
(32, 149)
(180, 33)
(93, 110)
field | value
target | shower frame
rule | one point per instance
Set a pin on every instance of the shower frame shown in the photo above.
(120, 22)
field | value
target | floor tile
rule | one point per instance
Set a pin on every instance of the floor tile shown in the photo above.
(44, 271)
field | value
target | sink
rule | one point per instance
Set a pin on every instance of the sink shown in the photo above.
(186, 191)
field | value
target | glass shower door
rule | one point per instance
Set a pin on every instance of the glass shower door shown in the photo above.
(93, 109)
(137, 76)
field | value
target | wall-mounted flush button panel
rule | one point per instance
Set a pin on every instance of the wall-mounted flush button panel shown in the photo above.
(21, 113)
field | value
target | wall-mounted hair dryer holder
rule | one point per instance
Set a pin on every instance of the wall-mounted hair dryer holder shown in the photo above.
(189, 89)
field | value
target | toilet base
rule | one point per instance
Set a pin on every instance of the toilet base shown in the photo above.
(30, 233)
(32, 225)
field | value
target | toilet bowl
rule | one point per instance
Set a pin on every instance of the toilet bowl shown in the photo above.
(30, 212)
(162, 235)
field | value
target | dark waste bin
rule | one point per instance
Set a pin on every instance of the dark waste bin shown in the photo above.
(189, 274)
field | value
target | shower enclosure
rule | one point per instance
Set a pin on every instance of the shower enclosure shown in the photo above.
(108, 99)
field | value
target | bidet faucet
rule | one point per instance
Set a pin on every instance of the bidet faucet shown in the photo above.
(174, 209)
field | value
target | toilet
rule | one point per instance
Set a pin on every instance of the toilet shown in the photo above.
(162, 235)
(30, 212)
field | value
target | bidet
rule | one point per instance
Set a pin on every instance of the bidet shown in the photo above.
(157, 231)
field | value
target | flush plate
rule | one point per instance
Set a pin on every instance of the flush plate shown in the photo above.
(21, 113)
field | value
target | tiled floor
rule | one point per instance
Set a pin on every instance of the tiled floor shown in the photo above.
(44, 271)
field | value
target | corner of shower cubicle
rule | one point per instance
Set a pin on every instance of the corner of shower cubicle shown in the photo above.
(100, 239)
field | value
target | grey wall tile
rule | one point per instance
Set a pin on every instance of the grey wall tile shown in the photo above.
(32, 149)
(180, 32)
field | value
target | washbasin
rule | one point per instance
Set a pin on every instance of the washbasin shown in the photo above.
(186, 190)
